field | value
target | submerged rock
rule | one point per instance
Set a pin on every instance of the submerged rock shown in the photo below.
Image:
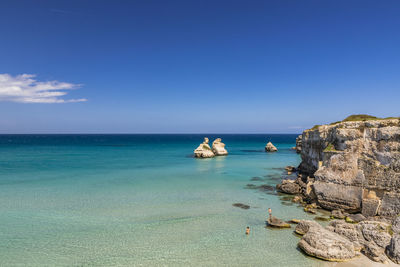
(204, 150)
(219, 148)
(241, 205)
(275, 222)
(326, 245)
(270, 147)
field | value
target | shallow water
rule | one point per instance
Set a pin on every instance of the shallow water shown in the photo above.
(143, 200)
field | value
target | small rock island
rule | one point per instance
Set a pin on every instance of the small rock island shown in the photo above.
(270, 147)
(205, 151)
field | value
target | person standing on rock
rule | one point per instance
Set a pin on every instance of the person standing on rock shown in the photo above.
(270, 213)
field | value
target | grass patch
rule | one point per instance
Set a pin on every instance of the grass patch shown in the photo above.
(330, 148)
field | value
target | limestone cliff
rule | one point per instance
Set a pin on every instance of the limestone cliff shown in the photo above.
(356, 165)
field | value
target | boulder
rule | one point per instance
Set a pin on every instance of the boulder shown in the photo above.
(375, 253)
(349, 231)
(393, 250)
(355, 218)
(304, 225)
(396, 225)
(204, 150)
(289, 187)
(219, 148)
(275, 222)
(338, 214)
(377, 232)
(326, 245)
(270, 147)
(370, 207)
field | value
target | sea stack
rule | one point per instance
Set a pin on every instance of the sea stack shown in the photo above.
(204, 150)
(270, 147)
(219, 148)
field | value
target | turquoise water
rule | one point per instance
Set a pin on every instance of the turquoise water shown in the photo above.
(113, 200)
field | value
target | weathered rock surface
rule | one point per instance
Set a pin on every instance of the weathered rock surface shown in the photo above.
(204, 150)
(377, 232)
(270, 147)
(356, 166)
(219, 148)
(298, 143)
(393, 250)
(327, 245)
(396, 225)
(350, 231)
(289, 187)
(375, 253)
(355, 218)
(277, 223)
(338, 214)
(304, 225)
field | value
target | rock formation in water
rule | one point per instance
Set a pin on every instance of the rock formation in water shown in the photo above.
(204, 150)
(219, 148)
(270, 147)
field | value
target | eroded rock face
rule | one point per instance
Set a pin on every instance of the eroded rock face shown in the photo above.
(376, 232)
(304, 225)
(298, 143)
(219, 148)
(204, 150)
(375, 253)
(350, 231)
(327, 245)
(270, 147)
(349, 160)
(277, 223)
(393, 250)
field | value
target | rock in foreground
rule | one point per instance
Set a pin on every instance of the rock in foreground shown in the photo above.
(327, 245)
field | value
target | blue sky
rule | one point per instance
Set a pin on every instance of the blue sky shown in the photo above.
(195, 66)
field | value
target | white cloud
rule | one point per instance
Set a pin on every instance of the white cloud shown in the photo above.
(25, 88)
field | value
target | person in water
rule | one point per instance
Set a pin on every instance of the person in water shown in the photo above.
(247, 230)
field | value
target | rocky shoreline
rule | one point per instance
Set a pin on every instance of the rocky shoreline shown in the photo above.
(352, 169)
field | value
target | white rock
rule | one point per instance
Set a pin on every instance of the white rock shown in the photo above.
(204, 150)
(219, 148)
(270, 147)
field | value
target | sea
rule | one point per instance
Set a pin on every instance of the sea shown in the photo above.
(144, 200)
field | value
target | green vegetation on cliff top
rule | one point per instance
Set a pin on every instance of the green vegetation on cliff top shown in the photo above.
(357, 117)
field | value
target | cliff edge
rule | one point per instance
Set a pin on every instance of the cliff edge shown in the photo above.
(354, 165)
